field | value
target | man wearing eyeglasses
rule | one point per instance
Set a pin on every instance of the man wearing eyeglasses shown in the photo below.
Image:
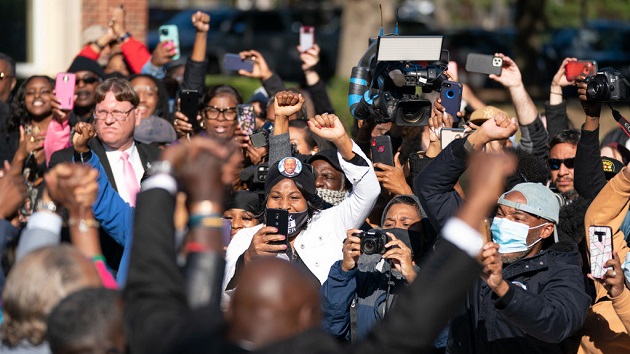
(123, 159)
(561, 162)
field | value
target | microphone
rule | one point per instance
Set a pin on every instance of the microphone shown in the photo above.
(397, 77)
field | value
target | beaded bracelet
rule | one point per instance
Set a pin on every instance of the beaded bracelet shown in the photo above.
(84, 224)
(211, 221)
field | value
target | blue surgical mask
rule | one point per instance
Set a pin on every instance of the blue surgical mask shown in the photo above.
(511, 236)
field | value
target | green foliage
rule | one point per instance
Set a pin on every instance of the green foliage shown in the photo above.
(569, 12)
(337, 90)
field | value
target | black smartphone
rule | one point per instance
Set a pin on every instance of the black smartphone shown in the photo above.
(278, 218)
(189, 106)
(451, 96)
(233, 62)
(484, 64)
(382, 152)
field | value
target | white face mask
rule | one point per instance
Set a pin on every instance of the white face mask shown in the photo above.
(332, 197)
(512, 236)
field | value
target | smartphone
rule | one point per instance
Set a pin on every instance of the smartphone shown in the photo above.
(64, 90)
(246, 118)
(278, 218)
(484, 64)
(226, 235)
(573, 69)
(447, 135)
(189, 106)
(600, 245)
(307, 37)
(382, 151)
(170, 33)
(233, 62)
(451, 96)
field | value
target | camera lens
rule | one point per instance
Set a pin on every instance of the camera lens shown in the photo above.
(450, 94)
(369, 246)
(597, 89)
(164, 32)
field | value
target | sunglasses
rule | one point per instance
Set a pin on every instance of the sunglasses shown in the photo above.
(87, 80)
(554, 164)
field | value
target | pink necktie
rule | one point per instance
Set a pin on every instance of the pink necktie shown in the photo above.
(131, 183)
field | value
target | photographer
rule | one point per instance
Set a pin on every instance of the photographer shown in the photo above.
(314, 241)
(362, 286)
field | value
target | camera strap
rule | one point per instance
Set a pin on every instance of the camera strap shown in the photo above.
(354, 330)
(621, 120)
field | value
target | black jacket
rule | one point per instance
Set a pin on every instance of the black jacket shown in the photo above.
(589, 176)
(545, 305)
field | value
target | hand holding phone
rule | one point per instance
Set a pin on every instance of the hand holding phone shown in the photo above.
(447, 135)
(484, 64)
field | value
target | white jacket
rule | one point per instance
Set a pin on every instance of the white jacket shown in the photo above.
(320, 244)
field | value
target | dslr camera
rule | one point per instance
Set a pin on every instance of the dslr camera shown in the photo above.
(608, 85)
(373, 241)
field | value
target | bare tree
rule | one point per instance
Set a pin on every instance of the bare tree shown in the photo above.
(361, 20)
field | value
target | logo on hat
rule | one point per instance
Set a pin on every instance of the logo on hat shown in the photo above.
(290, 167)
(609, 166)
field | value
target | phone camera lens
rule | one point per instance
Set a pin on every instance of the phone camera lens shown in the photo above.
(450, 94)
(164, 32)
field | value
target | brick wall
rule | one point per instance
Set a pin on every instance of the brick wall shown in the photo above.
(97, 12)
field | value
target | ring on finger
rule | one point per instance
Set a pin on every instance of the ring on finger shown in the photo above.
(32, 139)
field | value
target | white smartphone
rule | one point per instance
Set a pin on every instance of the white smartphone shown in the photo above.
(307, 37)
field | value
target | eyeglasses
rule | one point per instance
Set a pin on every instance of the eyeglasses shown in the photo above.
(150, 91)
(117, 115)
(87, 80)
(4, 76)
(554, 164)
(213, 112)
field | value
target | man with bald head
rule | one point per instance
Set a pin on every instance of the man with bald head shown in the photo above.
(275, 308)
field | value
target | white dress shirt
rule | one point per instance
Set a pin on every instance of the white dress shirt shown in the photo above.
(115, 161)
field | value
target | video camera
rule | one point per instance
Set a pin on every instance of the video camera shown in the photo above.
(608, 85)
(383, 84)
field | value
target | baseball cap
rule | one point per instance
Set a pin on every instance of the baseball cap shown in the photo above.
(611, 167)
(483, 114)
(541, 201)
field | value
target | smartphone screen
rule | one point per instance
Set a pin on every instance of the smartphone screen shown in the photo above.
(189, 106)
(573, 69)
(307, 37)
(64, 90)
(170, 33)
(233, 62)
(246, 118)
(278, 218)
(600, 245)
(447, 135)
(451, 96)
(381, 147)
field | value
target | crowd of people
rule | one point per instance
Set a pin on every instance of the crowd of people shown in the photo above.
(128, 226)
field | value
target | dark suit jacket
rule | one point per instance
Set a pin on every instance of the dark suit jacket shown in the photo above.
(161, 321)
(148, 153)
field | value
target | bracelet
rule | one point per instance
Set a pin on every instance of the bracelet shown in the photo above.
(46, 206)
(204, 207)
(124, 37)
(98, 257)
(556, 93)
(158, 167)
(84, 224)
(209, 221)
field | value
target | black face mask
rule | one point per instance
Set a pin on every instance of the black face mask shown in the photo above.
(413, 239)
(296, 222)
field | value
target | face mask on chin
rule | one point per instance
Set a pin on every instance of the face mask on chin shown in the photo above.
(511, 236)
(331, 196)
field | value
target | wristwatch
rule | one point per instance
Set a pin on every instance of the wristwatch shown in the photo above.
(124, 37)
(157, 167)
(46, 206)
